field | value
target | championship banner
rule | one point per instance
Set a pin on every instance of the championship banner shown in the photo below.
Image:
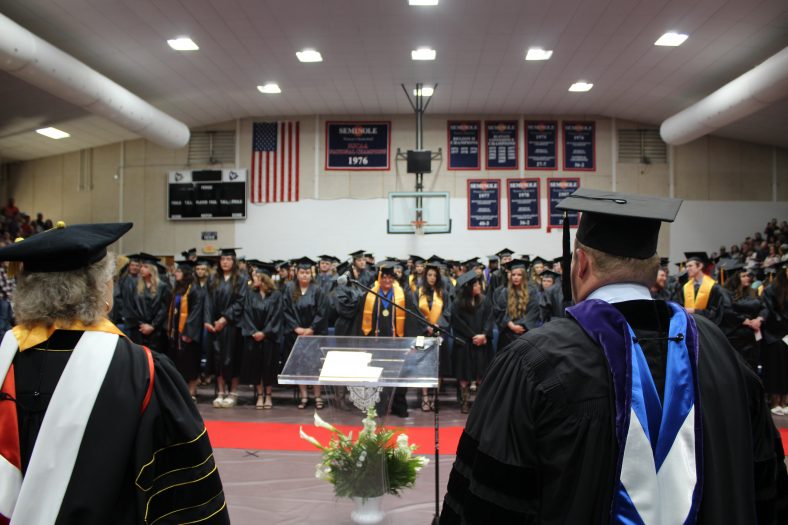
(540, 145)
(463, 144)
(484, 204)
(524, 199)
(358, 146)
(501, 140)
(579, 146)
(559, 189)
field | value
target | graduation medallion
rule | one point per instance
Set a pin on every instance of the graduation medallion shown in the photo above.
(385, 313)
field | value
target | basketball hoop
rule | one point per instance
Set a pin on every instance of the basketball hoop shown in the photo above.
(418, 227)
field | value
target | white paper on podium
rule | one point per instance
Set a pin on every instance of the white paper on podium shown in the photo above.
(349, 366)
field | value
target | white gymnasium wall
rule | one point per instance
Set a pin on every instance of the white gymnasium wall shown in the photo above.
(707, 225)
(341, 226)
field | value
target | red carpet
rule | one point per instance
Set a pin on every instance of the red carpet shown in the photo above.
(784, 436)
(284, 436)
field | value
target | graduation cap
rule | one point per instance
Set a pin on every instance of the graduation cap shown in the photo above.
(204, 261)
(369, 255)
(516, 263)
(262, 267)
(133, 257)
(386, 267)
(472, 263)
(228, 251)
(148, 258)
(551, 274)
(417, 259)
(304, 263)
(537, 260)
(328, 258)
(188, 253)
(63, 249)
(343, 268)
(492, 258)
(467, 277)
(186, 265)
(700, 257)
(280, 264)
(664, 261)
(358, 254)
(436, 259)
(506, 252)
(621, 224)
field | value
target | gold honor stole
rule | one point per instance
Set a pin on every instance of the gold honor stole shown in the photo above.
(37, 497)
(399, 315)
(434, 313)
(701, 301)
(182, 315)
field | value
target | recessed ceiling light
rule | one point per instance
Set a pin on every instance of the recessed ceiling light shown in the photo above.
(183, 43)
(579, 87)
(671, 39)
(423, 53)
(423, 2)
(270, 88)
(309, 55)
(53, 133)
(537, 53)
(426, 91)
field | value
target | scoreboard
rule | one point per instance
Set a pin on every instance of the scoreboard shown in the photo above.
(206, 194)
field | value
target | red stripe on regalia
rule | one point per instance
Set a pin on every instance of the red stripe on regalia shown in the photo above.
(9, 429)
(149, 393)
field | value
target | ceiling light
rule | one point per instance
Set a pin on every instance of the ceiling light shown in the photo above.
(53, 133)
(671, 39)
(183, 43)
(426, 91)
(270, 88)
(537, 53)
(579, 87)
(423, 53)
(423, 2)
(309, 55)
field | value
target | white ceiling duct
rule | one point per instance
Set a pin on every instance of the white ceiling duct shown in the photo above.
(756, 89)
(40, 63)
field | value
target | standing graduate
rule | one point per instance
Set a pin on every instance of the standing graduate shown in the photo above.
(260, 327)
(775, 349)
(146, 306)
(224, 308)
(498, 278)
(91, 424)
(516, 305)
(185, 324)
(743, 312)
(616, 413)
(701, 294)
(471, 320)
(304, 310)
(377, 317)
(434, 303)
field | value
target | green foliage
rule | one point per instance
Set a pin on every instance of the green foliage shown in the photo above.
(372, 465)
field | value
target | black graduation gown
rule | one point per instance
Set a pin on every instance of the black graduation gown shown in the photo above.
(327, 283)
(470, 362)
(529, 321)
(742, 338)
(187, 355)
(714, 307)
(497, 280)
(127, 289)
(225, 300)
(150, 309)
(122, 447)
(307, 312)
(346, 299)
(261, 314)
(774, 355)
(444, 359)
(539, 445)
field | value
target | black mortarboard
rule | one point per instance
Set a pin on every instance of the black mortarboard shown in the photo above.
(189, 252)
(538, 259)
(550, 273)
(664, 261)
(505, 252)
(206, 260)
(343, 267)
(369, 254)
(472, 263)
(436, 259)
(558, 259)
(417, 259)
(327, 258)
(280, 264)
(186, 265)
(466, 278)
(492, 258)
(64, 248)
(620, 224)
(386, 267)
(516, 263)
(148, 258)
(303, 263)
(358, 254)
(261, 266)
(228, 251)
(134, 257)
(701, 257)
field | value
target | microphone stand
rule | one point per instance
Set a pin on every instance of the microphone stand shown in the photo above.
(436, 328)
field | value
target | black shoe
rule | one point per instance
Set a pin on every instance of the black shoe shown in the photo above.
(399, 411)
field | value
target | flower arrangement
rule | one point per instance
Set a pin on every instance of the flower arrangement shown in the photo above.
(372, 465)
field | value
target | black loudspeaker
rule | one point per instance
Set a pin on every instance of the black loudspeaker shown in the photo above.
(419, 161)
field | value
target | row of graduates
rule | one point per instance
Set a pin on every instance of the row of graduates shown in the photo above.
(249, 323)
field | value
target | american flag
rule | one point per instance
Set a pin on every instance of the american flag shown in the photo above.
(275, 166)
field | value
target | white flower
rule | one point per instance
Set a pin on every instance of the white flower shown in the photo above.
(322, 472)
(322, 424)
(369, 425)
(423, 461)
(402, 441)
(308, 438)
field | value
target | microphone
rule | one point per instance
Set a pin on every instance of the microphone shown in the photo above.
(343, 279)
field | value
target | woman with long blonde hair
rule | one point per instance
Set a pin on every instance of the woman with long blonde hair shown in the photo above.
(516, 306)
(146, 310)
